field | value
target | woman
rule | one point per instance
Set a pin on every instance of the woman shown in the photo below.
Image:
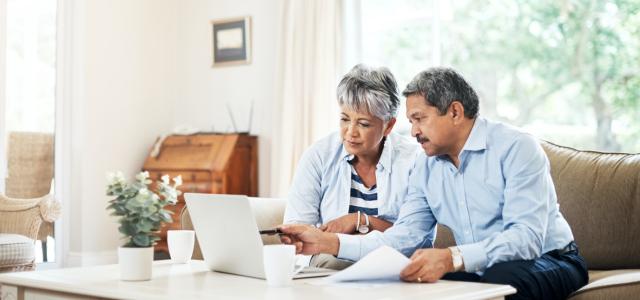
(354, 181)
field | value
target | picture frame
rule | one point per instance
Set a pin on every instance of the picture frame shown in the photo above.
(231, 41)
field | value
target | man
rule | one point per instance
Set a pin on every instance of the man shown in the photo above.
(490, 184)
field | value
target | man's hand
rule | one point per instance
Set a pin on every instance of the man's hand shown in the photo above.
(309, 240)
(428, 265)
(345, 224)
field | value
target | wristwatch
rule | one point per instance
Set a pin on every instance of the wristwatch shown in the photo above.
(364, 228)
(456, 257)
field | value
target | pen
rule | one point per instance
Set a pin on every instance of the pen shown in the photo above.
(271, 231)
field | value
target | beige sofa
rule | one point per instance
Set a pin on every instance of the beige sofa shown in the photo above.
(599, 195)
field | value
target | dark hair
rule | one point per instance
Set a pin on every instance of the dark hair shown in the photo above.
(440, 87)
(373, 90)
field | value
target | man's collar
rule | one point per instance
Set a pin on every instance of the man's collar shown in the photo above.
(477, 139)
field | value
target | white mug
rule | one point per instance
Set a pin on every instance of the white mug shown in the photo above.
(279, 264)
(180, 244)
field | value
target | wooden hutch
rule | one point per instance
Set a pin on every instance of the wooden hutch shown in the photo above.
(208, 163)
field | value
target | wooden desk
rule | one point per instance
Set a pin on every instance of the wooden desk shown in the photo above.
(195, 281)
(208, 163)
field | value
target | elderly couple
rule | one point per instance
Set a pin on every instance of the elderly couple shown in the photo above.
(365, 186)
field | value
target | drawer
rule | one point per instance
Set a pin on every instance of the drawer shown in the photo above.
(187, 176)
(195, 187)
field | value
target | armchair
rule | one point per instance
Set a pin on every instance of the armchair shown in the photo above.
(20, 221)
(30, 169)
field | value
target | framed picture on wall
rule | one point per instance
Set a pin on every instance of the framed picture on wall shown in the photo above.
(231, 41)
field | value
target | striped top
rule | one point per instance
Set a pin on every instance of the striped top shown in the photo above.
(363, 199)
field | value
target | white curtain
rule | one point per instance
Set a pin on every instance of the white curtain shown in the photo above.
(310, 65)
(3, 30)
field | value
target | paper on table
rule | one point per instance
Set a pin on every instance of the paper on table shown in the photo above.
(384, 263)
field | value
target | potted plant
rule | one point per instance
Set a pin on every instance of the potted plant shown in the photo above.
(141, 213)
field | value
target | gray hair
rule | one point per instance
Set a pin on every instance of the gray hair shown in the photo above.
(373, 90)
(440, 87)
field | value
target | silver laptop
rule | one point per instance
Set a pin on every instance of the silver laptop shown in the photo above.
(228, 235)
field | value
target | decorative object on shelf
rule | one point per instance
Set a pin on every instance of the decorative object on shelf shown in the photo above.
(141, 213)
(208, 163)
(231, 41)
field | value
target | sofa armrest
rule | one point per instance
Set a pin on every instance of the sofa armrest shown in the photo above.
(611, 284)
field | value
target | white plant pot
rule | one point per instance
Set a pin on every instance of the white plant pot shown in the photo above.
(135, 263)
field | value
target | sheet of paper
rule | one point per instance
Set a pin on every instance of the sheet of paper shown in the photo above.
(384, 263)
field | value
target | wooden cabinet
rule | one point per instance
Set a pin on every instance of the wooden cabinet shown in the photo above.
(208, 163)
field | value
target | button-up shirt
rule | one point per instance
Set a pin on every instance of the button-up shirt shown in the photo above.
(321, 187)
(500, 203)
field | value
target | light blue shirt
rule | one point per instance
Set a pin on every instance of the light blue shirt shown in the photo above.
(321, 188)
(500, 203)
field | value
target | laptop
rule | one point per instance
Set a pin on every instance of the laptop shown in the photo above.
(228, 235)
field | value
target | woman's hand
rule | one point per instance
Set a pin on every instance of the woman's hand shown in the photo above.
(345, 224)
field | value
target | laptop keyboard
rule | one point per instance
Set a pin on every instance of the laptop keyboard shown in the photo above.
(311, 270)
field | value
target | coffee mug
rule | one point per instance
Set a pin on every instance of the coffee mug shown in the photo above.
(180, 244)
(279, 264)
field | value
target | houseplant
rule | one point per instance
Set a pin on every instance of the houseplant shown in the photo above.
(140, 211)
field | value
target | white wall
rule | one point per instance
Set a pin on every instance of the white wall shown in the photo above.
(128, 66)
(139, 69)
(203, 91)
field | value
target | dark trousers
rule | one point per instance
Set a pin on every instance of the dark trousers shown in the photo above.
(555, 275)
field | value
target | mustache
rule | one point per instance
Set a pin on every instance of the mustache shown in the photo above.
(421, 139)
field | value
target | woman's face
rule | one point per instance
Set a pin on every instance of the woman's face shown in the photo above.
(362, 132)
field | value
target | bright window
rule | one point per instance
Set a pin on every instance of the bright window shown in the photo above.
(30, 80)
(566, 71)
(30, 65)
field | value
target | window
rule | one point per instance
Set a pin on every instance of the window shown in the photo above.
(29, 84)
(566, 71)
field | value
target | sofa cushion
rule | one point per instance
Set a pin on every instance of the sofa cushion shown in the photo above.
(268, 213)
(444, 237)
(599, 195)
(616, 284)
(16, 250)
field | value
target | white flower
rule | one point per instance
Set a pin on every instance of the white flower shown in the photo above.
(165, 179)
(177, 180)
(143, 192)
(115, 177)
(142, 176)
(111, 177)
(119, 177)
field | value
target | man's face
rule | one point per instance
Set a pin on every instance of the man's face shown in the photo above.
(433, 131)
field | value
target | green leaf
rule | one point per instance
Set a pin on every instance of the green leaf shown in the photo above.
(128, 229)
(142, 240)
(144, 226)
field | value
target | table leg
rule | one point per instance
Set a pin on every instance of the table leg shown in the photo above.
(11, 292)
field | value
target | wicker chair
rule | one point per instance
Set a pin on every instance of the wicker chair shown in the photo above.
(30, 171)
(20, 221)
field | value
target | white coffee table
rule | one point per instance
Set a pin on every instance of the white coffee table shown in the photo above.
(195, 281)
